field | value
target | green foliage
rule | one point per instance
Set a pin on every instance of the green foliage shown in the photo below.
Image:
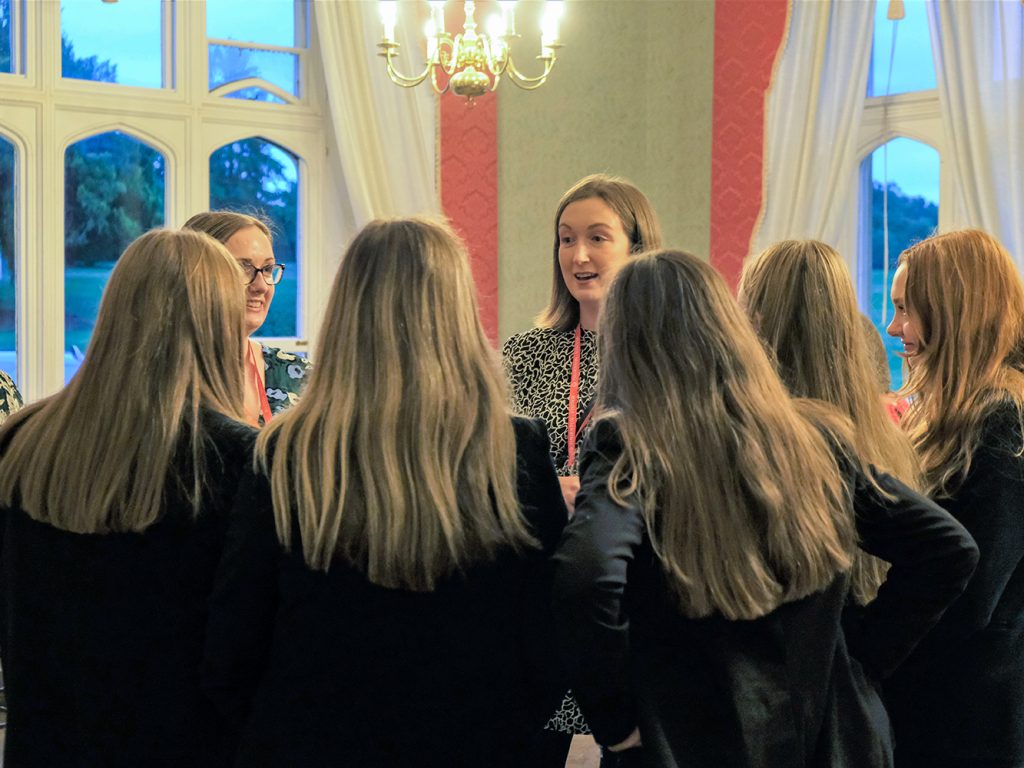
(87, 68)
(910, 219)
(113, 192)
(256, 176)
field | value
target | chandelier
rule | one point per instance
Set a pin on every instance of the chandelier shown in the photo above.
(471, 63)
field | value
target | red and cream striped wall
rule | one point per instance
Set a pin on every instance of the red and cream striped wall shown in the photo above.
(668, 94)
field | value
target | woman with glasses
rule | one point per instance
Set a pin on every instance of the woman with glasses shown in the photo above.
(113, 516)
(275, 383)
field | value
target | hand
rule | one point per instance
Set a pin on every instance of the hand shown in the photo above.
(570, 487)
(633, 740)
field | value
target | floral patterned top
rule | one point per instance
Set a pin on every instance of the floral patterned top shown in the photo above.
(10, 397)
(285, 376)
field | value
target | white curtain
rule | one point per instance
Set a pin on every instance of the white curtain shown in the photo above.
(978, 69)
(813, 114)
(384, 135)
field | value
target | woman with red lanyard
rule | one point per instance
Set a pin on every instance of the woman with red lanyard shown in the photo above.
(273, 379)
(552, 368)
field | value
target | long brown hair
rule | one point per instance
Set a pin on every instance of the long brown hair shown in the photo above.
(638, 220)
(967, 295)
(743, 498)
(400, 458)
(800, 298)
(168, 340)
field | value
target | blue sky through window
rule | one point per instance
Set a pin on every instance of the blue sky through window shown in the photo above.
(270, 22)
(126, 33)
(913, 67)
(912, 165)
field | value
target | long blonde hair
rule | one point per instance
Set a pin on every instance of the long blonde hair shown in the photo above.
(743, 498)
(401, 456)
(966, 293)
(638, 220)
(800, 298)
(168, 340)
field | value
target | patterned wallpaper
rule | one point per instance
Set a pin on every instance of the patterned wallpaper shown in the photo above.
(469, 190)
(748, 34)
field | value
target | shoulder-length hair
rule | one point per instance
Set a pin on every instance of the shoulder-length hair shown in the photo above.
(400, 458)
(638, 220)
(169, 340)
(965, 290)
(743, 498)
(223, 225)
(800, 298)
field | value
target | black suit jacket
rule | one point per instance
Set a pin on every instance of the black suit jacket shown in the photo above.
(328, 669)
(102, 635)
(781, 691)
(959, 698)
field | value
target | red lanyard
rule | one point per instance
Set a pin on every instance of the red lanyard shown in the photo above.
(261, 390)
(574, 399)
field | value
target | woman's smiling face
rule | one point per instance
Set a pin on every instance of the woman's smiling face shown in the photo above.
(905, 325)
(592, 246)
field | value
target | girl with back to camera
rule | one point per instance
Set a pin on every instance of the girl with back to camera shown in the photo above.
(385, 600)
(700, 584)
(959, 302)
(273, 378)
(600, 222)
(115, 495)
(799, 296)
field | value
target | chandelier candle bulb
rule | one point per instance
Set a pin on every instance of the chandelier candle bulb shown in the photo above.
(549, 27)
(389, 16)
(437, 11)
(430, 30)
(508, 13)
(497, 28)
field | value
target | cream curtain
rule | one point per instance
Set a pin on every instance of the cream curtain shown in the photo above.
(384, 135)
(813, 114)
(978, 68)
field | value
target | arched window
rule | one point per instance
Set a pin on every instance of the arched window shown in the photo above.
(897, 172)
(257, 55)
(133, 78)
(8, 261)
(113, 192)
(902, 182)
(258, 176)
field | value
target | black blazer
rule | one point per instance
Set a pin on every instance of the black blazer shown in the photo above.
(102, 635)
(780, 691)
(328, 669)
(959, 698)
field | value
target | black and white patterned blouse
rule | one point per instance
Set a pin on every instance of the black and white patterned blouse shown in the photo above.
(10, 398)
(538, 364)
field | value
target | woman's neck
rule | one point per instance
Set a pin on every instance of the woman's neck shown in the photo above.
(590, 314)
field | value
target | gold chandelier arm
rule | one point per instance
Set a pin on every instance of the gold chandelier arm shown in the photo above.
(433, 81)
(530, 83)
(389, 50)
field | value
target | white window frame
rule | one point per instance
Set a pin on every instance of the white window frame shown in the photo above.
(42, 113)
(915, 115)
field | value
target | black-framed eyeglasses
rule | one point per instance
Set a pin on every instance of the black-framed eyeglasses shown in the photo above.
(272, 273)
